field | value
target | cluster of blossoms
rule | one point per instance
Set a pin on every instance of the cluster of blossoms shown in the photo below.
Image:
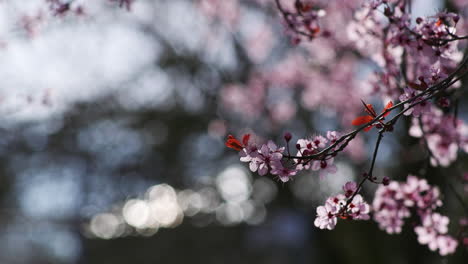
(269, 158)
(345, 206)
(312, 146)
(261, 159)
(303, 21)
(417, 61)
(427, 49)
(444, 134)
(397, 201)
(430, 77)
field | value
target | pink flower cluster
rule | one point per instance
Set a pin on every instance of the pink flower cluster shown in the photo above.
(429, 78)
(346, 206)
(266, 158)
(429, 47)
(303, 21)
(432, 232)
(397, 201)
(313, 145)
(269, 158)
(444, 135)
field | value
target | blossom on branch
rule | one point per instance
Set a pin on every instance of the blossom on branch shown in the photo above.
(348, 206)
(396, 201)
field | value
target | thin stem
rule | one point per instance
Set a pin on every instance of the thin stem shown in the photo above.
(371, 169)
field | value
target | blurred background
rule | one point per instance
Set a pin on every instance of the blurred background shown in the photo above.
(113, 124)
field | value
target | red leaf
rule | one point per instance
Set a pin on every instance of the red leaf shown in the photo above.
(234, 144)
(388, 106)
(245, 139)
(370, 110)
(361, 120)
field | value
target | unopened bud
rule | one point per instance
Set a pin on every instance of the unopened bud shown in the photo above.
(287, 136)
(386, 181)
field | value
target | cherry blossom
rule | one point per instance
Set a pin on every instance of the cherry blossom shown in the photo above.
(349, 188)
(345, 206)
(416, 63)
(326, 216)
(324, 167)
(267, 156)
(395, 202)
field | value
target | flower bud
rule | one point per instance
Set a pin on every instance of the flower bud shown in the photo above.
(386, 181)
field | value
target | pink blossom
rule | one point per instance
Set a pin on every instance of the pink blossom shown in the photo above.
(433, 226)
(261, 160)
(319, 141)
(269, 154)
(447, 245)
(392, 204)
(326, 217)
(443, 149)
(349, 188)
(333, 136)
(282, 172)
(417, 110)
(324, 167)
(250, 154)
(339, 206)
(358, 208)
